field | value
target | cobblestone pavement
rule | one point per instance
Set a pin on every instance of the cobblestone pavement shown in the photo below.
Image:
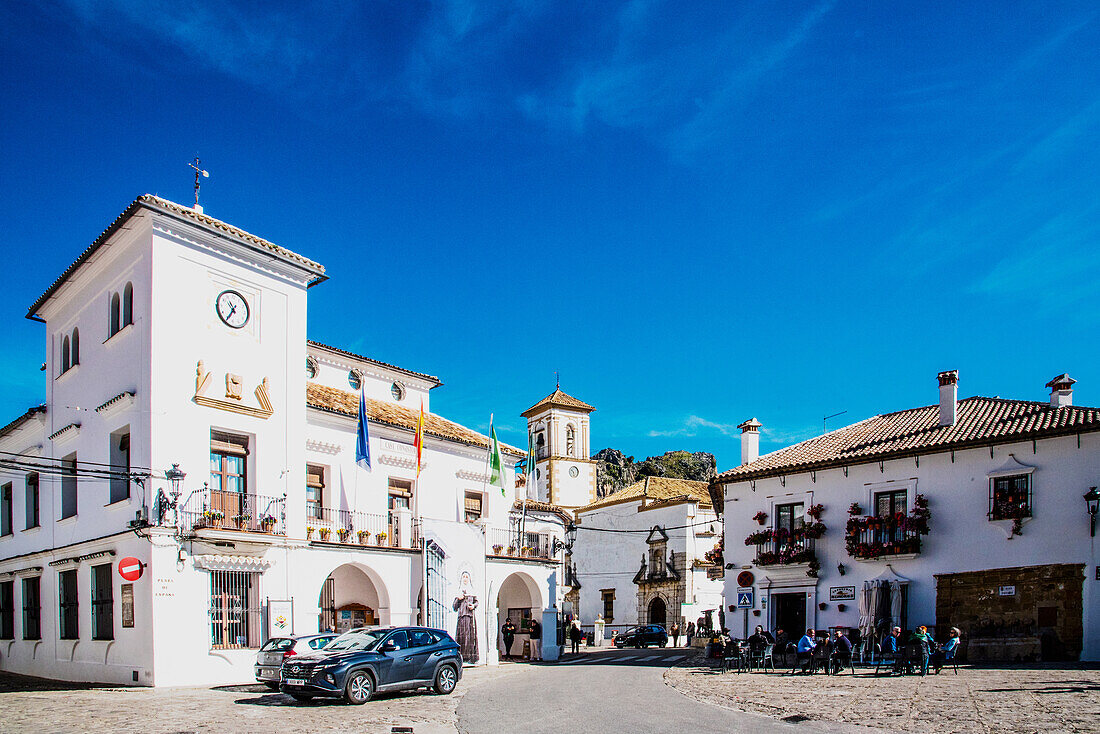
(32, 705)
(1039, 698)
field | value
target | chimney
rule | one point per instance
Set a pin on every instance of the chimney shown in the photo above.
(1061, 390)
(750, 441)
(949, 396)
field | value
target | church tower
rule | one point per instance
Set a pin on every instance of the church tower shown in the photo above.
(565, 474)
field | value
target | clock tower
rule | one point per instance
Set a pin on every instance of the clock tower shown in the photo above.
(558, 426)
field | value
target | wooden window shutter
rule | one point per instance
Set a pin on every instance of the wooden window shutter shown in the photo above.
(315, 476)
(228, 443)
(473, 502)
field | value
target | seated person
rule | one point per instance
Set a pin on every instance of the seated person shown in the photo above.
(805, 649)
(891, 647)
(947, 650)
(760, 639)
(841, 651)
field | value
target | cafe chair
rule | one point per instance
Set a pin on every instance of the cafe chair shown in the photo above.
(763, 659)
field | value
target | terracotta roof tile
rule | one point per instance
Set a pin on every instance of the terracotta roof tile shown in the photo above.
(353, 355)
(36, 410)
(342, 402)
(536, 506)
(656, 490)
(561, 400)
(980, 421)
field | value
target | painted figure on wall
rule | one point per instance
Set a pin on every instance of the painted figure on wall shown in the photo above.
(466, 634)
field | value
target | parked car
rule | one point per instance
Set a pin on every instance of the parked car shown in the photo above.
(642, 636)
(370, 659)
(269, 661)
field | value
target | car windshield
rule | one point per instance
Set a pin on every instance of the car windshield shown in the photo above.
(357, 640)
(277, 643)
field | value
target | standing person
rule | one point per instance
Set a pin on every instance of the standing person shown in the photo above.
(466, 633)
(674, 631)
(690, 634)
(509, 633)
(597, 633)
(575, 635)
(536, 639)
(805, 649)
(924, 643)
(782, 642)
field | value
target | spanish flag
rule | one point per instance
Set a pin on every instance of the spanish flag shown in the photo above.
(419, 441)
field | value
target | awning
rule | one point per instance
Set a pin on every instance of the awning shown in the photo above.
(232, 563)
(889, 574)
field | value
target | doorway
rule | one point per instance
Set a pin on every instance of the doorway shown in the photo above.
(790, 614)
(657, 611)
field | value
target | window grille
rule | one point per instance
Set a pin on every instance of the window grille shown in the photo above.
(437, 588)
(328, 606)
(1010, 497)
(5, 510)
(103, 606)
(68, 486)
(32, 609)
(32, 501)
(235, 610)
(69, 605)
(608, 605)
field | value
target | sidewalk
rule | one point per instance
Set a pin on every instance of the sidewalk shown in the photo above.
(1039, 698)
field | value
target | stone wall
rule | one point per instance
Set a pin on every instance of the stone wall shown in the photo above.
(1014, 614)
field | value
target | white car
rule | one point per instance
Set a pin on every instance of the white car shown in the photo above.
(269, 661)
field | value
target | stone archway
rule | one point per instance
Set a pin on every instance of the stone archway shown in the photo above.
(352, 595)
(520, 600)
(657, 613)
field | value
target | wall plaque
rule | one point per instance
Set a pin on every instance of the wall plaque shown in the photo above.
(127, 605)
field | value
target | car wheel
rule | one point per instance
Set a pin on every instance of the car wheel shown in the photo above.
(359, 688)
(445, 680)
(301, 697)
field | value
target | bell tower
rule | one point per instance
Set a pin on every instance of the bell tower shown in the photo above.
(558, 426)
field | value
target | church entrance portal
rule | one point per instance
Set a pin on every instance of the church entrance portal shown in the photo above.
(657, 611)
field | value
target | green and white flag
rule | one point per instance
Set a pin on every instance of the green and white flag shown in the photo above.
(496, 463)
(529, 470)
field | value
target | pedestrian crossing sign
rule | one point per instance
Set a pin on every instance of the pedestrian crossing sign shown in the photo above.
(744, 599)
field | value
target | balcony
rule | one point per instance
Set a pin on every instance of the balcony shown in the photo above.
(507, 543)
(786, 552)
(330, 525)
(250, 513)
(872, 537)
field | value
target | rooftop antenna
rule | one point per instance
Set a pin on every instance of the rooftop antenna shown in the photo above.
(200, 174)
(826, 418)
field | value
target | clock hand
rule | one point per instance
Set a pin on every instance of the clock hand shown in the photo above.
(232, 310)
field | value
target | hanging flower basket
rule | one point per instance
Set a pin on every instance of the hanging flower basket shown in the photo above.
(267, 523)
(380, 538)
(761, 517)
(342, 534)
(324, 533)
(497, 549)
(309, 532)
(364, 537)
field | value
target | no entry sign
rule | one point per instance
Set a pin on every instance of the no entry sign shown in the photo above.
(130, 568)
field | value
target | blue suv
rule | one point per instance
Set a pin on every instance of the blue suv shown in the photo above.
(367, 660)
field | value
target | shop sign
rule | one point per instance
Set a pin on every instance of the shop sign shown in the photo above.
(716, 572)
(127, 605)
(1006, 591)
(842, 593)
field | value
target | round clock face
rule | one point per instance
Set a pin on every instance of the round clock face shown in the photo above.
(574, 471)
(232, 309)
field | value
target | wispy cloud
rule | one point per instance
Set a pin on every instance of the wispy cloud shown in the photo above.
(693, 425)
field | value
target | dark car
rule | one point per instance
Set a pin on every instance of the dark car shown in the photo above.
(366, 660)
(643, 636)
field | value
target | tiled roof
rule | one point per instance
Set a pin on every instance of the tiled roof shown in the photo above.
(387, 365)
(36, 410)
(655, 490)
(332, 400)
(979, 422)
(560, 400)
(536, 506)
(148, 201)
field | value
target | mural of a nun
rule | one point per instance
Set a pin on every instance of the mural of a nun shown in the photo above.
(466, 632)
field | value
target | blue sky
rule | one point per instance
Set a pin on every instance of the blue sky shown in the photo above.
(696, 212)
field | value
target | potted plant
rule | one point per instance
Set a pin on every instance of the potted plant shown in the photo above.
(213, 518)
(342, 534)
(267, 523)
(309, 531)
(243, 520)
(381, 538)
(497, 549)
(511, 550)
(761, 517)
(324, 533)
(364, 537)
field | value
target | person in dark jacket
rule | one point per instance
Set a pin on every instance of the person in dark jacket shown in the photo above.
(924, 643)
(760, 639)
(508, 631)
(841, 653)
(575, 636)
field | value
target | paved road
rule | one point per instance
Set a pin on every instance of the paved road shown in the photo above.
(605, 692)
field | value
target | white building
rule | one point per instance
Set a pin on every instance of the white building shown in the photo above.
(639, 555)
(176, 338)
(1006, 555)
(558, 427)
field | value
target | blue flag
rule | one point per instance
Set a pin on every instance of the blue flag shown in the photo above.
(362, 440)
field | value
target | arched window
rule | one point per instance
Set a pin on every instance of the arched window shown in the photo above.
(128, 304)
(76, 347)
(570, 441)
(114, 315)
(66, 360)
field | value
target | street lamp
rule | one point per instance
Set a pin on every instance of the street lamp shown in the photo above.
(1092, 501)
(176, 477)
(570, 538)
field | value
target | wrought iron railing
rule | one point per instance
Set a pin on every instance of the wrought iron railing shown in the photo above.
(873, 537)
(328, 524)
(253, 513)
(783, 551)
(511, 543)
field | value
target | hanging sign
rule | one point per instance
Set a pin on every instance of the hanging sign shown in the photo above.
(130, 568)
(745, 598)
(745, 578)
(842, 593)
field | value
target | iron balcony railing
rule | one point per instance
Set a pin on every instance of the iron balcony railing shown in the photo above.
(882, 538)
(252, 513)
(511, 543)
(783, 551)
(329, 524)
